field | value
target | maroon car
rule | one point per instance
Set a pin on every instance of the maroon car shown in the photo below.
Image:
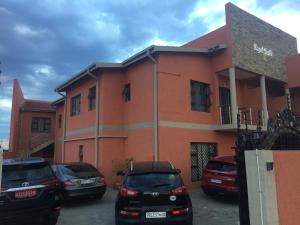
(219, 176)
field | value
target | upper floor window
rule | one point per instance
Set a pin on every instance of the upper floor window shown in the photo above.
(59, 120)
(75, 105)
(126, 93)
(40, 124)
(92, 98)
(200, 96)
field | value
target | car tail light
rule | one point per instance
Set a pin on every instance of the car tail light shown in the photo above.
(179, 191)
(127, 193)
(130, 213)
(177, 212)
(57, 208)
(100, 180)
(68, 184)
(54, 182)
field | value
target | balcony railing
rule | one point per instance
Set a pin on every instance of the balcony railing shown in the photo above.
(249, 115)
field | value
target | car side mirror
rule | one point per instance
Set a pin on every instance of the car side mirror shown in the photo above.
(178, 170)
(121, 173)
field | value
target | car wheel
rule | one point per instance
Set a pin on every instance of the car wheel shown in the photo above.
(207, 192)
(99, 196)
(50, 220)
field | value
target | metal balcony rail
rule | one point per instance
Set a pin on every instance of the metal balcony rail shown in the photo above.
(249, 115)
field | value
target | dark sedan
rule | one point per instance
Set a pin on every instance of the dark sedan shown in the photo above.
(80, 179)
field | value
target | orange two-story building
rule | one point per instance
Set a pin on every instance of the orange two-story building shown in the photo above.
(178, 103)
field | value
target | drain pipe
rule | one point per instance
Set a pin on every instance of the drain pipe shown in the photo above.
(64, 128)
(259, 187)
(96, 154)
(155, 104)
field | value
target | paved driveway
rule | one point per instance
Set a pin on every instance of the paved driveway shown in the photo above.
(207, 210)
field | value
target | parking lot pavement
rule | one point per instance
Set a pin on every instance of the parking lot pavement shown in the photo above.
(207, 210)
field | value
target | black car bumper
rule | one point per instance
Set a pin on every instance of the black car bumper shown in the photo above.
(155, 222)
(174, 220)
(31, 216)
(82, 191)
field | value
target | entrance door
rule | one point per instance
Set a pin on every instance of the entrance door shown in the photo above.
(225, 105)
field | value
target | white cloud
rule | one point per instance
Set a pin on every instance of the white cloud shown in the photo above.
(212, 13)
(161, 42)
(5, 103)
(25, 30)
(5, 11)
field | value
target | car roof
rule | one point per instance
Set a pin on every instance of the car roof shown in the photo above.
(152, 166)
(226, 159)
(23, 161)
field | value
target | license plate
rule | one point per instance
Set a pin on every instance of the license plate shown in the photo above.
(151, 215)
(216, 181)
(25, 194)
(89, 181)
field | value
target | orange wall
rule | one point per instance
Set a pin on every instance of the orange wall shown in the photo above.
(222, 35)
(29, 139)
(295, 98)
(287, 166)
(293, 69)
(17, 101)
(174, 89)
(175, 146)
(59, 132)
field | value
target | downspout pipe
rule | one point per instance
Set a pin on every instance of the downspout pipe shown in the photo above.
(155, 105)
(96, 154)
(64, 127)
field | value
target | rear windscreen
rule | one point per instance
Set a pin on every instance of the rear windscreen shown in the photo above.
(161, 181)
(73, 170)
(221, 166)
(26, 173)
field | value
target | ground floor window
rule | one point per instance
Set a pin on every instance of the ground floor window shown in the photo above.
(200, 154)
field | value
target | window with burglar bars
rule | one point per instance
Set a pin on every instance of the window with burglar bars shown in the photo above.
(92, 98)
(200, 154)
(75, 105)
(200, 96)
(39, 124)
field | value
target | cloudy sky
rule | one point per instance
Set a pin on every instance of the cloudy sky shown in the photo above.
(42, 43)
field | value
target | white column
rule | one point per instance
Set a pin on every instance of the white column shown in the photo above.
(233, 100)
(288, 98)
(264, 103)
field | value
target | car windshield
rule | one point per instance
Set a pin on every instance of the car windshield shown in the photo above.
(26, 173)
(160, 181)
(221, 166)
(75, 170)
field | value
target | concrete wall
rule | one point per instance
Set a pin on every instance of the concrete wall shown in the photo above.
(247, 30)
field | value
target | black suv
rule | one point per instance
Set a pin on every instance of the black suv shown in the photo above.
(29, 192)
(153, 193)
